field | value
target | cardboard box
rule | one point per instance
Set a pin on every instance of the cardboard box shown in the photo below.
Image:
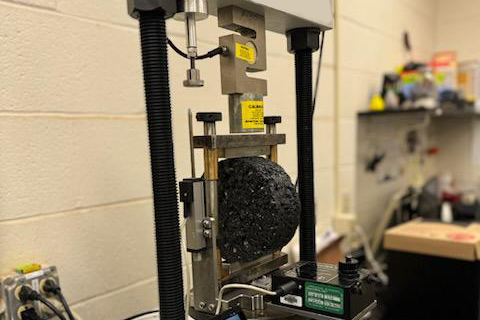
(434, 271)
(436, 239)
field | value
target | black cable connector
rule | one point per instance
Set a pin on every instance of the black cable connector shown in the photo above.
(51, 286)
(286, 288)
(30, 314)
(209, 54)
(27, 294)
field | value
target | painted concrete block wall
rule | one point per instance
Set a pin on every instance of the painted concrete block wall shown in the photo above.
(457, 23)
(74, 178)
(75, 185)
(370, 43)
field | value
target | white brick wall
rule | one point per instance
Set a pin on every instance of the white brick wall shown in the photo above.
(74, 176)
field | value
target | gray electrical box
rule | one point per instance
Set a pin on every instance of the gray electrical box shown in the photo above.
(284, 15)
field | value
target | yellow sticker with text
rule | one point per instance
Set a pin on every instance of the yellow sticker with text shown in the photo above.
(252, 114)
(244, 52)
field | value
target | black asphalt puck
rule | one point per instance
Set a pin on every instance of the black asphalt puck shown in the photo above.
(259, 209)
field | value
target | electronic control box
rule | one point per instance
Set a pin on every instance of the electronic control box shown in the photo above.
(342, 292)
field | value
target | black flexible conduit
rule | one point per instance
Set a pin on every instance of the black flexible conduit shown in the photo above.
(303, 75)
(167, 231)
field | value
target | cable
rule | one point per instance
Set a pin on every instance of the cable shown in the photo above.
(50, 306)
(239, 286)
(176, 49)
(30, 314)
(317, 84)
(141, 314)
(28, 294)
(210, 54)
(369, 255)
(77, 316)
(319, 68)
(65, 305)
(52, 287)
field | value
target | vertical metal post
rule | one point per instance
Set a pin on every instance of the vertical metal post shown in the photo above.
(271, 124)
(207, 265)
(192, 149)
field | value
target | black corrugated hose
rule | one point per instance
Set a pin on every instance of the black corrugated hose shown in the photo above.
(303, 75)
(167, 231)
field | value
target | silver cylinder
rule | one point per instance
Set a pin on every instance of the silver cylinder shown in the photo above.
(271, 129)
(209, 128)
(191, 32)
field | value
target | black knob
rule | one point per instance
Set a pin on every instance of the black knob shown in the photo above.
(272, 120)
(348, 269)
(209, 116)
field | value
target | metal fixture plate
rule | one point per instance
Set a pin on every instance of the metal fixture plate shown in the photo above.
(244, 152)
(192, 194)
(316, 316)
(246, 272)
(10, 284)
(284, 15)
(238, 141)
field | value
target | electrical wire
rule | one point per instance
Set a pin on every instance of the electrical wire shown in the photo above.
(210, 54)
(370, 256)
(317, 85)
(141, 314)
(62, 299)
(239, 286)
(52, 287)
(77, 317)
(319, 69)
(50, 306)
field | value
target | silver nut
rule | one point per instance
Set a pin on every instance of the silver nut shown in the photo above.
(135, 6)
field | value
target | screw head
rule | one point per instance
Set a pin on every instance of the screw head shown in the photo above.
(207, 224)
(207, 233)
(202, 305)
(211, 307)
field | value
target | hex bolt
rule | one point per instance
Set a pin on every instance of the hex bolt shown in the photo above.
(207, 224)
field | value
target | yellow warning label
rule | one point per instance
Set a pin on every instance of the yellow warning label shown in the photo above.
(244, 52)
(252, 114)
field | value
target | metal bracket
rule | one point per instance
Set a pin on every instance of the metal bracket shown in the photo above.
(238, 141)
(234, 66)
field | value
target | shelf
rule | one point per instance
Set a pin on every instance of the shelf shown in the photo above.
(420, 111)
(392, 112)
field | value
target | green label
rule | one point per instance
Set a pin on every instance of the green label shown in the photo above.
(324, 297)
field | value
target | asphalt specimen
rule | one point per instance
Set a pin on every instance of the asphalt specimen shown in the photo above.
(259, 209)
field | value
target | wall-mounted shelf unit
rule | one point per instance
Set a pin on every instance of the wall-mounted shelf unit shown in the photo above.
(420, 111)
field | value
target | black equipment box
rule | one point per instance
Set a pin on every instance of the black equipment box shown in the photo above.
(424, 287)
(341, 292)
(433, 270)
